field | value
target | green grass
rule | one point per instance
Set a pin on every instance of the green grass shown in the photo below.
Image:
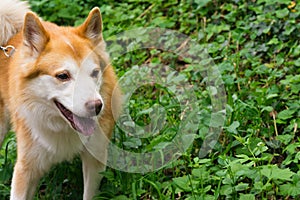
(254, 46)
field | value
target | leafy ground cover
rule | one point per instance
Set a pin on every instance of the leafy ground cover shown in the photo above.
(255, 47)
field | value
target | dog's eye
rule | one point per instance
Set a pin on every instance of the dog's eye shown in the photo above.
(95, 73)
(63, 76)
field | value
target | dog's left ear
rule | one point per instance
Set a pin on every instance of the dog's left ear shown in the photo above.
(92, 27)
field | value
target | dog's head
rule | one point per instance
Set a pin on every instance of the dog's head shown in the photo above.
(64, 68)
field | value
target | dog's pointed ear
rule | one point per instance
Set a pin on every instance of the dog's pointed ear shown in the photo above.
(92, 27)
(34, 34)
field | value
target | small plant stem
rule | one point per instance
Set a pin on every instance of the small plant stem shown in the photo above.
(146, 11)
(295, 128)
(274, 121)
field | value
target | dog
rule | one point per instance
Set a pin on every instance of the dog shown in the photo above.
(59, 93)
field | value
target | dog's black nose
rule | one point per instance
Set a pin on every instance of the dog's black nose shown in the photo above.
(94, 107)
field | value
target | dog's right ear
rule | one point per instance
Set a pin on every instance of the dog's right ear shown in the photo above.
(34, 34)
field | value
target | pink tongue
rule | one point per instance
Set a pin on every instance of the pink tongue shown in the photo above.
(86, 126)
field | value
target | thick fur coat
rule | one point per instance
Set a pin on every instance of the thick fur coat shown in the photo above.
(59, 93)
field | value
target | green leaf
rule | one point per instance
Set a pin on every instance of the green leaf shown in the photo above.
(273, 41)
(217, 119)
(275, 173)
(183, 183)
(286, 114)
(232, 128)
(290, 189)
(242, 186)
(282, 13)
(201, 173)
(267, 108)
(247, 197)
(201, 3)
(121, 197)
(285, 139)
(133, 142)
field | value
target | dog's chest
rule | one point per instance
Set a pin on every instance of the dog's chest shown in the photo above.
(56, 146)
(59, 146)
(53, 139)
(49, 149)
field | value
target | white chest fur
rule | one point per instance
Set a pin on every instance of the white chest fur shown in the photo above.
(53, 136)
